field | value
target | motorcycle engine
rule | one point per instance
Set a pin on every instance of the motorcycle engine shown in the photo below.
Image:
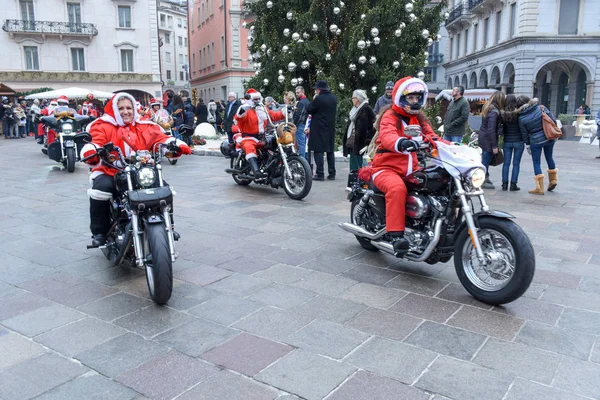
(417, 206)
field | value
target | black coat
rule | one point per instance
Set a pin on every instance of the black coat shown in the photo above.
(488, 133)
(363, 130)
(201, 113)
(300, 115)
(228, 116)
(322, 125)
(512, 131)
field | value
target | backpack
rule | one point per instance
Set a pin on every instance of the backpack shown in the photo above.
(551, 130)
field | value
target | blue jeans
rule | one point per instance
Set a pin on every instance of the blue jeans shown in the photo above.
(536, 156)
(510, 149)
(301, 140)
(486, 159)
(456, 139)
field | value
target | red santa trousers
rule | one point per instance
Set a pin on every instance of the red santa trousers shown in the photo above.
(393, 186)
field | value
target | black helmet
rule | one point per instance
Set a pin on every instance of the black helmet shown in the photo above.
(226, 148)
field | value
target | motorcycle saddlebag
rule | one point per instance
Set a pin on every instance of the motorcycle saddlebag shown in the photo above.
(150, 197)
(54, 152)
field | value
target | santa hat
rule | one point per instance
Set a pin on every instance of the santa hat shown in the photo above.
(63, 99)
(254, 94)
(53, 102)
(111, 110)
(85, 103)
(154, 102)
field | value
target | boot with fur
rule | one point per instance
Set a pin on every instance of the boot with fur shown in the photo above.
(539, 184)
(552, 179)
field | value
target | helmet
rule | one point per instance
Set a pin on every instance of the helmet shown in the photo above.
(154, 102)
(4, 99)
(406, 87)
(226, 148)
(62, 99)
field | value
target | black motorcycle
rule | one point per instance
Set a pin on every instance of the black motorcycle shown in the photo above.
(280, 165)
(141, 230)
(70, 137)
(493, 257)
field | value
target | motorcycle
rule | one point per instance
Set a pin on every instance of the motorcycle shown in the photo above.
(70, 137)
(141, 230)
(493, 257)
(279, 162)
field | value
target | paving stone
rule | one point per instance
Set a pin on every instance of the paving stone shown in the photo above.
(226, 385)
(120, 354)
(486, 322)
(240, 285)
(373, 295)
(326, 338)
(527, 390)
(596, 352)
(167, 375)
(246, 354)
(203, 275)
(392, 359)
(425, 307)
(192, 291)
(283, 273)
(557, 278)
(455, 292)
(37, 375)
(80, 294)
(272, 323)
(389, 324)
(79, 336)
(7, 289)
(225, 309)
(15, 349)
(534, 310)
(417, 284)
(196, 337)
(589, 284)
(578, 268)
(182, 303)
(576, 376)
(44, 254)
(369, 274)
(446, 340)
(115, 306)
(213, 258)
(21, 303)
(580, 320)
(524, 361)
(331, 265)
(153, 320)
(305, 374)
(247, 265)
(90, 386)
(330, 309)
(53, 282)
(535, 291)
(559, 340)
(463, 380)
(283, 296)
(325, 283)
(115, 275)
(17, 275)
(43, 319)
(377, 388)
(289, 257)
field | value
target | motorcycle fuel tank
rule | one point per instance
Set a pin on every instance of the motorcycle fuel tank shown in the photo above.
(417, 206)
(429, 180)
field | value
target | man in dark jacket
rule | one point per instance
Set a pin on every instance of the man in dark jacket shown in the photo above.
(230, 110)
(300, 116)
(322, 129)
(456, 116)
(201, 112)
(386, 99)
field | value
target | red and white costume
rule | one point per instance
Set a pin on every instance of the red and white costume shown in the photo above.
(253, 121)
(46, 112)
(390, 164)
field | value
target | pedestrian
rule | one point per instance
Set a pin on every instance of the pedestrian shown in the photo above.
(530, 122)
(178, 112)
(21, 118)
(219, 117)
(11, 122)
(384, 99)
(598, 129)
(230, 110)
(456, 117)
(359, 129)
(35, 112)
(489, 132)
(3, 107)
(514, 143)
(299, 119)
(322, 129)
(201, 112)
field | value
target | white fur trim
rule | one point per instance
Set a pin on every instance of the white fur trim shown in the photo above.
(410, 163)
(249, 138)
(86, 148)
(251, 155)
(404, 85)
(99, 195)
(396, 145)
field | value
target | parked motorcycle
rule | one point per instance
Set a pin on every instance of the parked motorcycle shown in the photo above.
(279, 162)
(493, 257)
(141, 230)
(70, 137)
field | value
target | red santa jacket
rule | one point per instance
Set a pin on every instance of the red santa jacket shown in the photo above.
(254, 120)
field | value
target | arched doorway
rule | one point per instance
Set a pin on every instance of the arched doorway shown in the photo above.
(495, 78)
(450, 83)
(508, 78)
(563, 93)
(463, 81)
(473, 80)
(581, 90)
(456, 81)
(561, 85)
(483, 79)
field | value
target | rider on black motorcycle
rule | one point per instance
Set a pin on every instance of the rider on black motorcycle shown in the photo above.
(119, 125)
(401, 127)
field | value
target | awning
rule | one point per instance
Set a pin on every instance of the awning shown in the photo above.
(470, 94)
(6, 91)
(72, 93)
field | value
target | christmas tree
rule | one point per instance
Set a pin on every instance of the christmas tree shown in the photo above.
(357, 44)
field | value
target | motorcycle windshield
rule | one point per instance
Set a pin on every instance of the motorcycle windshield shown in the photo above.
(462, 158)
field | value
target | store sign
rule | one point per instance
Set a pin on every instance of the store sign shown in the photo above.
(470, 63)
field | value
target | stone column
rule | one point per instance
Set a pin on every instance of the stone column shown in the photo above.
(573, 102)
(555, 98)
(503, 87)
(589, 95)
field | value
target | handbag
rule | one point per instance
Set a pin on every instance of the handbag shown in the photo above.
(551, 130)
(497, 159)
(350, 140)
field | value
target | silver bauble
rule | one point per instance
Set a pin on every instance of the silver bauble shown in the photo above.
(291, 66)
(342, 4)
(402, 25)
(332, 28)
(319, 72)
(425, 33)
(362, 73)
(342, 86)
(374, 89)
(421, 75)
(244, 24)
(315, 28)
(368, 43)
(269, 4)
(250, 40)
(361, 44)
(412, 17)
(438, 119)
(286, 32)
(338, 32)
(263, 47)
(429, 42)
(305, 35)
(374, 32)
(255, 65)
(294, 82)
(401, 56)
(425, 54)
(409, 7)
(295, 36)
(336, 10)
(425, 63)
(446, 15)
(376, 40)
(284, 49)
(259, 65)
(280, 78)
(398, 32)
(300, 80)
(289, 15)
(363, 16)
(265, 82)
(328, 57)
(305, 64)
(438, 37)
(372, 60)
(300, 41)
(362, 59)
(352, 67)
(396, 64)
(256, 73)
(252, 28)
(280, 72)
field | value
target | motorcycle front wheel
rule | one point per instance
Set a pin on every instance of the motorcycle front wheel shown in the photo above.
(238, 165)
(299, 184)
(159, 270)
(510, 261)
(70, 159)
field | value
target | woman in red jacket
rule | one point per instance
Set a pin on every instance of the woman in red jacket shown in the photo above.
(401, 128)
(119, 125)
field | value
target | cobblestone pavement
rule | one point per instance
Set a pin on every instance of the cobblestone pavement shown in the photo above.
(274, 301)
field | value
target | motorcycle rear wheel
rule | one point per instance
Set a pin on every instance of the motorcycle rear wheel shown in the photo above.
(511, 267)
(365, 243)
(70, 159)
(159, 270)
(232, 164)
(300, 184)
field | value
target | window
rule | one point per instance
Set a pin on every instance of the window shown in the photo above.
(74, 13)
(212, 60)
(475, 36)
(202, 17)
(199, 60)
(179, 22)
(27, 14)
(194, 62)
(181, 59)
(168, 57)
(77, 59)
(168, 74)
(430, 74)
(513, 19)
(208, 56)
(180, 40)
(222, 48)
(486, 28)
(125, 17)
(568, 17)
(211, 6)
(181, 76)
(199, 17)
(169, 21)
(127, 60)
(458, 46)
(167, 38)
(31, 58)
(451, 47)
(466, 41)
(498, 27)
(185, 41)
(163, 21)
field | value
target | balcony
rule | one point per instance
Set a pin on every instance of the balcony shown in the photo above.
(436, 58)
(458, 17)
(15, 26)
(481, 6)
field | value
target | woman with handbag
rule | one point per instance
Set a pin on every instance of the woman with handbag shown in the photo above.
(531, 122)
(359, 129)
(488, 134)
(514, 143)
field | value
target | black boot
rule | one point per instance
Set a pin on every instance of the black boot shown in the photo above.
(255, 168)
(99, 221)
(504, 186)
(399, 243)
(514, 187)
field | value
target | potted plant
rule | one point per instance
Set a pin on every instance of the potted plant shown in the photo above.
(567, 128)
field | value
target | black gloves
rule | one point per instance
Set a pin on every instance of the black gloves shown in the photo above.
(407, 145)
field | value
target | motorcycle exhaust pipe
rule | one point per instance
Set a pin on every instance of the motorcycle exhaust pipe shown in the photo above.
(358, 231)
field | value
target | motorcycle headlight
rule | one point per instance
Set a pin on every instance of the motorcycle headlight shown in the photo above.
(476, 177)
(67, 129)
(146, 177)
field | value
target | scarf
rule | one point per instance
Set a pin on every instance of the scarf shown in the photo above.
(353, 114)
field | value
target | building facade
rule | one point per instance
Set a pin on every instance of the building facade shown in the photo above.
(173, 32)
(112, 46)
(549, 49)
(218, 50)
